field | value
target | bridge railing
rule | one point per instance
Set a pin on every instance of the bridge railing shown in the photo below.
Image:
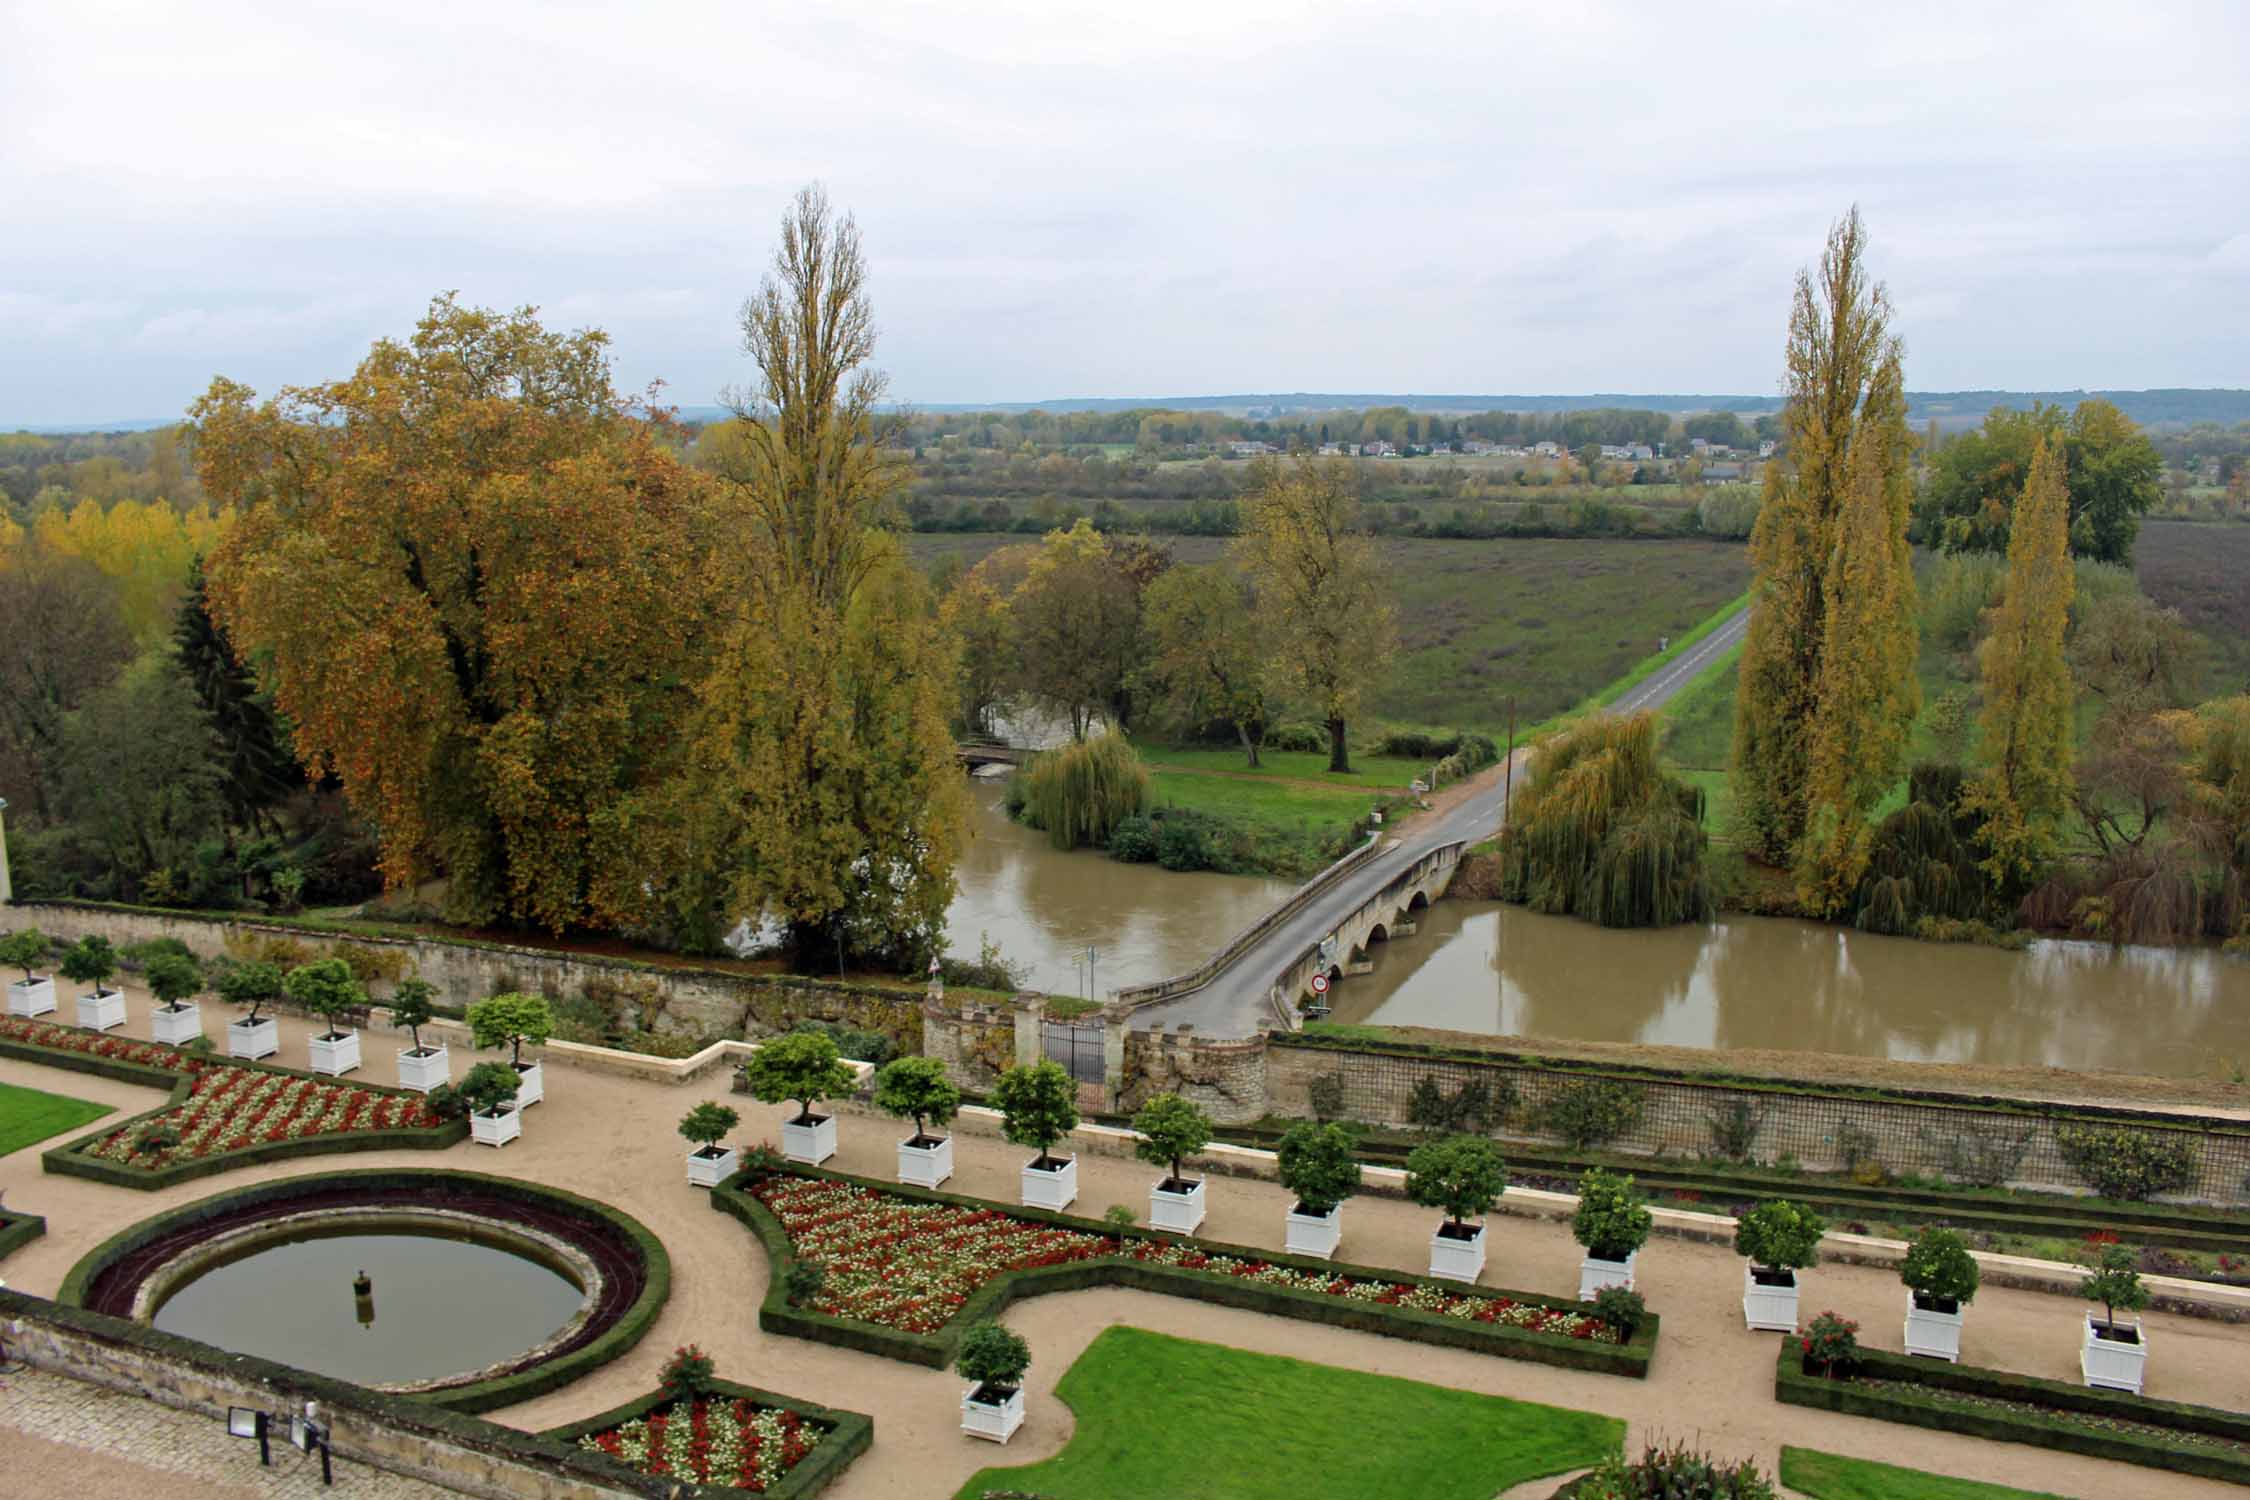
(1203, 973)
(1413, 875)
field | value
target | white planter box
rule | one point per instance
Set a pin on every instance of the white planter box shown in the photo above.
(1314, 1234)
(1594, 1273)
(496, 1130)
(531, 1084)
(811, 1144)
(103, 1010)
(1177, 1213)
(335, 1055)
(2111, 1364)
(994, 1420)
(1457, 1260)
(1773, 1308)
(1055, 1190)
(176, 1027)
(711, 1170)
(433, 1068)
(1932, 1333)
(925, 1166)
(253, 1039)
(31, 997)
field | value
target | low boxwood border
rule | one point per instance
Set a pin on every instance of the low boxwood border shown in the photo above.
(849, 1434)
(68, 1159)
(413, 1415)
(18, 1230)
(936, 1350)
(620, 1337)
(1794, 1387)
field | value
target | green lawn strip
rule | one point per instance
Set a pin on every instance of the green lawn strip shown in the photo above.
(1368, 773)
(28, 1116)
(1831, 1476)
(1162, 1416)
(1281, 804)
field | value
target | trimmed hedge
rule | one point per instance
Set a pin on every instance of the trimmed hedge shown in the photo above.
(484, 1395)
(849, 1434)
(67, 1161)
(936, 1350)
(1792, 1386)
(413, 1415)
(19, 1230)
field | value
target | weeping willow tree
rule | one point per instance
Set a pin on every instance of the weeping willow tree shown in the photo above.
(1602, 833)
(1923, 860)
(1080, 793)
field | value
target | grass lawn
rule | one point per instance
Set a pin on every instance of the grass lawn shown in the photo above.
(1825, 1476)
(28, 1116)
(1274, 804)
(1369, 772)
(1165, 1416)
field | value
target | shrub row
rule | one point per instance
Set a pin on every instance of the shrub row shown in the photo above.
(848, 1434)
(19, 1230)
(1796, 1388)
(990, 1300)
(617, 1339)
(67, 1160)
(413, 1415)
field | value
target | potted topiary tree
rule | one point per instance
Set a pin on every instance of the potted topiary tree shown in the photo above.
(512, 1020)
(1779, 1239)
(1612, 1223)
(419, 1068)
(706, 1125)
(326, 988)
(91, 960)
(1941, 1279)
(1039, 1106)
(1320, 1165)
(916, 1088)
(34, 994)
(1171, 1128)
(1464, 1176)
(994, 1359)
(803, 1067)
(254, 983)
(489, 1091)
(2111, 1353)
(172, 977)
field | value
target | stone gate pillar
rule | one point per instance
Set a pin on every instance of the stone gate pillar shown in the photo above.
(1031, 1010)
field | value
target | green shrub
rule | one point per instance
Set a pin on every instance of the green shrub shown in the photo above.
(802, 1066)
(1326, 1095)
(916, 1088)
(251, 982)
(325, 988)
(1318, 1163)
(1463, 1176)
(1593, 1111)
(2114, 1281)
(90, 960)
(1038, 1105)
(1735, 1127)
(172, 977)
(141, 954)
(1676, 1471)
(1120, 1216)
(803, 1280)
(23, 948)
(1984, 1156)
(707, 1124)
(1612, 1221)
(1170, 1128)
(871, 1047)
(1621, 1308)
(1183, 844)
(1778, 1235)
(488, 1087)
(991, 1355)
(1938, 1266)
(2120, 1162)
(1133, 841)
(412, 1006)
(511, 1020)
(1831, 1345)
(689, 1372)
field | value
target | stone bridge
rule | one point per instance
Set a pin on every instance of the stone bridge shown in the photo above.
(1389, 912)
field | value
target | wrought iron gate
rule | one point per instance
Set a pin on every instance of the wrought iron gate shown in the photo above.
(1077, 1048)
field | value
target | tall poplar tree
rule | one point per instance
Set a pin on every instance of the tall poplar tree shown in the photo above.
(1843, 435)
(2022, 785)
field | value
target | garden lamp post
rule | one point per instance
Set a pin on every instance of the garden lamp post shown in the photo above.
(7, 891)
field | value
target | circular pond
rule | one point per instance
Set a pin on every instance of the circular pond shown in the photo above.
(434, 1306)
(469, 1290)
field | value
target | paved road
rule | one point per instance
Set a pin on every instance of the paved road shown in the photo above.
(1235, 1002)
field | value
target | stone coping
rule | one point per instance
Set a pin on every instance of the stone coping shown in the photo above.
(615, 1060)
(549, 1250)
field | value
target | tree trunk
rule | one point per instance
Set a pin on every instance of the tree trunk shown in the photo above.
(1249, 745)
(1338, 760)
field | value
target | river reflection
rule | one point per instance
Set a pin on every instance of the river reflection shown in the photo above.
(1767, 982)
(1044, 907)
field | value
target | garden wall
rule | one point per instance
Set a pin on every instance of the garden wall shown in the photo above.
(669, 1001)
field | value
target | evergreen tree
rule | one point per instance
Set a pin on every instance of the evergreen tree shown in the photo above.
(2023, 782)
(1841, 359)
(257, 767)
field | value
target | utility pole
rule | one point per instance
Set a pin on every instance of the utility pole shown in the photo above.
(1508, 768)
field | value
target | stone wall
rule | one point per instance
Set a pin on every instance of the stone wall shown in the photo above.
(1226, 1076)
(975, 1041)
(678, 1001)
(442, 1448)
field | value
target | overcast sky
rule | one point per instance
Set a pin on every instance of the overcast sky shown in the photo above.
(1145, 199)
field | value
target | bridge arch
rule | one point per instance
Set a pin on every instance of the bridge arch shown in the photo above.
(1378, 934)
(1420, 902)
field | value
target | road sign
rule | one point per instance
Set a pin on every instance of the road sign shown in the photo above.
(1320, 984)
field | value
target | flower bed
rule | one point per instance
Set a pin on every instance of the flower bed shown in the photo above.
(228, 1108)
(98, 1044)
(711, 1441)
(912, 1265)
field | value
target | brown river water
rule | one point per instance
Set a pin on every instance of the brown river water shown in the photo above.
(1741, 982)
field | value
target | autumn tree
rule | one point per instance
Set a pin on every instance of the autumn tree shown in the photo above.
(478, 584)
(1203, 659)
(2111, 472)
(815, 781)
(1073, 627)
(1323, 591)
(1831, 519)
(2022, 785)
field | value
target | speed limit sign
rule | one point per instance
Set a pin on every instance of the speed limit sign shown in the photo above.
(1320, 984)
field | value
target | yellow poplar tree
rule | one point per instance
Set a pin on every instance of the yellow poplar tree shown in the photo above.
(2022, 785)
